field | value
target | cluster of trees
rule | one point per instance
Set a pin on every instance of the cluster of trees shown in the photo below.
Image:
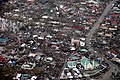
(4, 74)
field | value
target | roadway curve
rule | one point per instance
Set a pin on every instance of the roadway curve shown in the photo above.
(96, 26)
(89, 37)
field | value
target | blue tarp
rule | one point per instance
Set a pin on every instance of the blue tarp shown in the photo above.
(98, 59)
(83, 50)
(25, 76)
(3, 39)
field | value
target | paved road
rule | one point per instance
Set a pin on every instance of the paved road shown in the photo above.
(96, 26)
(89, 37)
